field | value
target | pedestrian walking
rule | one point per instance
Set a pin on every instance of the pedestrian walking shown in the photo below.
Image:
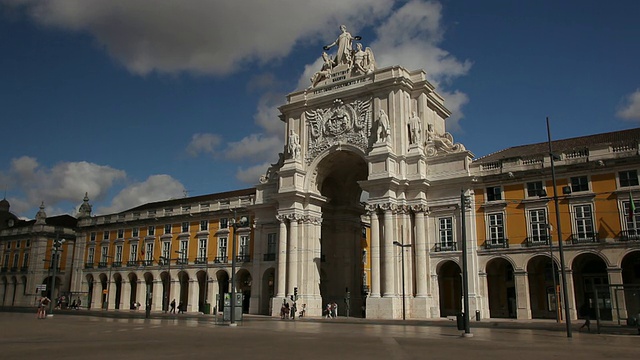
(294, 309)
(42, 307)
(585, 312)
(173, 306)
(181, 308)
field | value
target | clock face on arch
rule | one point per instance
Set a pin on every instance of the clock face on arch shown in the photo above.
(10, 222)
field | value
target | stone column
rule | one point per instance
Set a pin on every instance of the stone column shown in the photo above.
(125, 294)
(293, 255)
(421, 252)
(158, 294)
(282, 259)
(619, 305)
(375, 252)
(522, 295)
(570, 294)
(389, 268)
(193, 301)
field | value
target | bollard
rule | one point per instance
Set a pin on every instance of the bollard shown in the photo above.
(477, 315)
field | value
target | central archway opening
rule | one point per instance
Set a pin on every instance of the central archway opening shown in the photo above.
(341, 241)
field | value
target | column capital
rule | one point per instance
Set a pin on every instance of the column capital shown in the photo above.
(388, 207)
(371, 208)
(420, 208)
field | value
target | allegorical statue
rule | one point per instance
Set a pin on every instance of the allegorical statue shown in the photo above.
(363, 61)
(325, 71)
(345, 47)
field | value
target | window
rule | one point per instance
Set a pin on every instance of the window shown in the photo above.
(6, 260)
(18, 244)
(135, 232)
(272, 243)
(204, 225)
(15, 260)
(8, 245)
(120, 233)
(633, 222)
(535, 189)
(167, 229)
(90, 255)
(185, 227)
(583, 221)
(224, 223)
(222, 248)
(202, 249)
(151, 231)
(28, 243)
(118, 257)
(446, 233)
(628, 178)
(244, 248)
(148, 255)
(104, 254)
(134, 253)
(105, 235)
(166, 250)
(494, 193)
(496, 228)
(25, 260)
(183, 254)
(579, 183)
(538, 226)
(92, 237)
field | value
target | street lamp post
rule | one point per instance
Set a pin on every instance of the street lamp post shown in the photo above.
(106, 307)
(465, 266)
(57, 244)
(402, 246)
(242, 222)
(563, 273)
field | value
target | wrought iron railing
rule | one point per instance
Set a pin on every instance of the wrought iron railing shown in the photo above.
(496, 244)
(200, 260)
(269, 257)
(243, 258)
(446, 246)
(88, 265)
(221, 260)
(629, 235)
(584, 238)
(533, 241)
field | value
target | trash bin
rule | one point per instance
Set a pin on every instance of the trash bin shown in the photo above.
(477, 315)
(207, 308)
(460, 321)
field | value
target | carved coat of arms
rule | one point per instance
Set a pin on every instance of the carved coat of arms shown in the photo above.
(340, 123)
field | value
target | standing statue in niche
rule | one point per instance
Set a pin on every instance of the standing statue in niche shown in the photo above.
(384, 128)
(415, 129)
(294, 145)
(345, 46)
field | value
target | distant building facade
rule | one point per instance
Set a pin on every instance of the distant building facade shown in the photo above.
(364, 208)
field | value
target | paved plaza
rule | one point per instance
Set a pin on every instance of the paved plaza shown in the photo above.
(66, 336)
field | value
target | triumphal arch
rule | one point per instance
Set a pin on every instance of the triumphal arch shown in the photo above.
(349, 212)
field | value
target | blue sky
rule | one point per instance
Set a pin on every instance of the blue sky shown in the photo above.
(136, 101)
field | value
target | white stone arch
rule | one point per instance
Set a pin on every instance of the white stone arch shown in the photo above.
(311, 181)
(569, 261)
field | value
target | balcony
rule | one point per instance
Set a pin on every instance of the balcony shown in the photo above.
(14, 269)
(629, 235)
(496, 244)
(88, 265)
(584, 238)
(220, 260)
(116, 264)
(3, 269)
(269, 257)
(533, 241)
(200, 260)
(182, 261)
(102, 264)
(147, 262)
(243, 258)
(132, 263)
(24, 269)
(446, 246)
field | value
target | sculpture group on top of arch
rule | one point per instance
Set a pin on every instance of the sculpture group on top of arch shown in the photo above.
(347, 60)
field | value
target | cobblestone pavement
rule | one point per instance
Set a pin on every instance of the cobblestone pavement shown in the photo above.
(65, 336)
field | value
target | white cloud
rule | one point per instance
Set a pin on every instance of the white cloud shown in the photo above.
(155, 188)
(64, 182)
(630, 109)
(200, 36)
(255, 147)
(252, 174)
(203, 144)
(454, 101)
